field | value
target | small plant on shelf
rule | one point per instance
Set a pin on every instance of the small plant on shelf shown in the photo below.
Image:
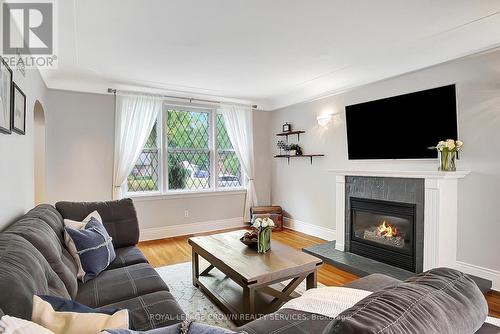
(294, 149)
(282, 146)
(289, 151)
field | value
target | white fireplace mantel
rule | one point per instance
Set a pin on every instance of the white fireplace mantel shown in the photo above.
(427, 174)
(440, 211)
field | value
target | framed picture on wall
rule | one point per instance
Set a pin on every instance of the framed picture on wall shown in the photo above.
(5, 97)
(19, 114)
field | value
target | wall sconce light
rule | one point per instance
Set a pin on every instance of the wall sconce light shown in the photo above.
(324, 119)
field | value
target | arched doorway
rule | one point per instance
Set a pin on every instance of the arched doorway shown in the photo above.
(39, 137)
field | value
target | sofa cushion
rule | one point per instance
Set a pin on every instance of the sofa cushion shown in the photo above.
(23, 273)
(127, 256)
(152, 310)
(45, 240)
(440, 300)
(119, 218)
(120, 284)
(49, 215)
(287, 321)
(487, 328)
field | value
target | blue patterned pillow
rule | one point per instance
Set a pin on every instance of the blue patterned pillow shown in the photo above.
(94, 247)
(60, 304)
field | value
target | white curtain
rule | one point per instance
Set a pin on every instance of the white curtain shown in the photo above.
(134, 120)
(239, 125)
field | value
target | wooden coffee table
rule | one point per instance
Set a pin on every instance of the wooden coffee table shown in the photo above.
(244, 283)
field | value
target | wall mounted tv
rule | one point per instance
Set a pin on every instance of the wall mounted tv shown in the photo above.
(402, 127)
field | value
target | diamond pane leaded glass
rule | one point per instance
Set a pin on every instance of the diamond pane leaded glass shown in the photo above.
(146, 172)
(188, 169)
(188, 129)
(188, 149)
(229, 169)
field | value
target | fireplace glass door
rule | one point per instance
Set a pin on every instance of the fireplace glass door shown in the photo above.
(384, 231)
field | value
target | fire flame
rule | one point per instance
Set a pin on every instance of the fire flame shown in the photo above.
(387, 230)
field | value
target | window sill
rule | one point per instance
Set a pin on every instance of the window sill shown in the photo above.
(156, 196)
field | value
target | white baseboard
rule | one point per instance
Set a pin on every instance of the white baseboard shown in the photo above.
(190, 228)
(489, 274)
(310, 229)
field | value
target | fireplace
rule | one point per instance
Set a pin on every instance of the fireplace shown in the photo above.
(384, 231)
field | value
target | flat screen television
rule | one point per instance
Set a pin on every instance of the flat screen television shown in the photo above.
(402, 127)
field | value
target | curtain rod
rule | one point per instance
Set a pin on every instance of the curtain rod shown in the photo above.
(190, 99)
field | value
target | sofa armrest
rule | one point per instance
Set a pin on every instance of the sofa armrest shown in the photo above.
(373, 282)
(119, 218)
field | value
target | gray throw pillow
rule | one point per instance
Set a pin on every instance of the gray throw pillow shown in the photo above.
(442, 300)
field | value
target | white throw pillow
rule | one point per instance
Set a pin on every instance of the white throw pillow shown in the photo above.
(13, 325)
(327, 301)
(493, 321)
(73, 322)
(70, 245)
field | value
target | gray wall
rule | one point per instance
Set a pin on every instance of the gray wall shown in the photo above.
(80, 141)
(307, 192)
(80, 145)
(17, 154)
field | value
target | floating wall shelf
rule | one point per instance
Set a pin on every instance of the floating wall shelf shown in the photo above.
(290, 133)
(286, 156)
(311, 156)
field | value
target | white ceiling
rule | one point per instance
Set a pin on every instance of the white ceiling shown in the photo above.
(271, 53)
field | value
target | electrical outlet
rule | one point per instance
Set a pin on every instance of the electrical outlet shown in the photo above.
(186, 213)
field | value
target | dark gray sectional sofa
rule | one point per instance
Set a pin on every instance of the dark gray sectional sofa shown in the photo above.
(34, 260)
(454, 305)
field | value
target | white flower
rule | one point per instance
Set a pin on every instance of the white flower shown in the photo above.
(459, 143)
(257, 223)
(270, 222)
(440, 145)
(450, 144)
(264, 223)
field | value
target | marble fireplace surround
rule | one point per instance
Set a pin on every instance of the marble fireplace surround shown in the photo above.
(440, 214)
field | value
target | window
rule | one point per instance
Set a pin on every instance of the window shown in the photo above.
(187, 150)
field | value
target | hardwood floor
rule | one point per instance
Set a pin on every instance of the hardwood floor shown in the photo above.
(177, 250)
